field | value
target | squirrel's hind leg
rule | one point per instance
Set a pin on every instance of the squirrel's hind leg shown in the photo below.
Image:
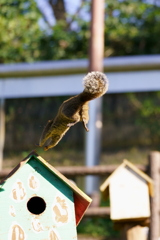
(53, 142)
(85, 126)
(46, 134)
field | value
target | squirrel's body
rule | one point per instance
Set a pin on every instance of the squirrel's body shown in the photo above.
(74, 110)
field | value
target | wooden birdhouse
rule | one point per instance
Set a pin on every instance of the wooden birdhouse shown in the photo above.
(129, 190)
(38, 202)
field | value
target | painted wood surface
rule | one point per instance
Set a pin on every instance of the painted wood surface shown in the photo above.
(129, 195)
(129, 190)
(57, 220)
(154, 167)
(126, 163)
(81, 200)
(133, 232)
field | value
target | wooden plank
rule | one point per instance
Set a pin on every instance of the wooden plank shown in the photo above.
(93, 170)
(72, 171)
(129, 196)
(81, 206)
(98, 212)
(68, 182)
(154, 162)
(133, 232)
(93, 238)
(137, 169)
(142, 174)
(97, 36)
(106, 183)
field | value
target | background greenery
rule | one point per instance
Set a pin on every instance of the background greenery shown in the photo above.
(131, 28)
(131, 121)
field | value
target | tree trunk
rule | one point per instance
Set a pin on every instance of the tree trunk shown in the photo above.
(58, 8)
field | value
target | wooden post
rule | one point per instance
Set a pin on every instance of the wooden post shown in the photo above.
(95, 64)
(2, 130)
(154, 163)
(97, 36)
(133, 232)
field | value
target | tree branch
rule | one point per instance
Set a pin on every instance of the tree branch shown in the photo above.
(59, 9)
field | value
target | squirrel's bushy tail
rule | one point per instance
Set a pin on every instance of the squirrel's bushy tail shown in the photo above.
(95, 83)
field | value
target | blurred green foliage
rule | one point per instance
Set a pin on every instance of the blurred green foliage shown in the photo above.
(131, 28)
(20, 33)
(97, 227)
(147, 107)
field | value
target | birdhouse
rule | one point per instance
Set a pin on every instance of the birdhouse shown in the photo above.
(129, 190)
(38, 202)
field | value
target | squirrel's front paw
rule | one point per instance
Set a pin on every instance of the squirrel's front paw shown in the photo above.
(46, 148)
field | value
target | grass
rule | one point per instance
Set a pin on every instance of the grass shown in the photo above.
(134, 155)
(70, 157)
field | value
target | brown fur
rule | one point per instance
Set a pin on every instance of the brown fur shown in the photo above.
(73, 110)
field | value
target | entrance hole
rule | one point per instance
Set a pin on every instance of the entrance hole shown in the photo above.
(36, 205)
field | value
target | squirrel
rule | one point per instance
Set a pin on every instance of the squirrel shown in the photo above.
(74, 110)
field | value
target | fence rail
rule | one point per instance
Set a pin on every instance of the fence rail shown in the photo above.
(83, 170)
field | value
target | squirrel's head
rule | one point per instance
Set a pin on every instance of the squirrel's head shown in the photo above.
(95, 83)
